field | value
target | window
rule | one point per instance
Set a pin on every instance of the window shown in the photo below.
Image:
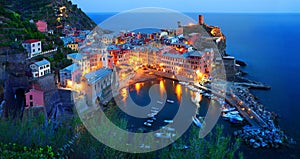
(39, 44)
(30, 97)
(33, 50)
(41, 68)
(31, 104)
(39, 49)
(33, 45)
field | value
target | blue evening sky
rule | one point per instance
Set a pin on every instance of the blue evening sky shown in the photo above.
(217, 6)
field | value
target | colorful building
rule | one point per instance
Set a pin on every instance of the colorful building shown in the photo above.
(33, 47)
(94, 84)
(42, 26)
(34, 96)
(40, 68)
(70, 76)
(73, 46)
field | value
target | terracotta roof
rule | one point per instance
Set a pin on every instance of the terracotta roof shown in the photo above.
(31, 41)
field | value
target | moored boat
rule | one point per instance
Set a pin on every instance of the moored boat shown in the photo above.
(168, 121)
(164, 135)
(197, 122)
(147, 124)
(170, 101)
(168, 128)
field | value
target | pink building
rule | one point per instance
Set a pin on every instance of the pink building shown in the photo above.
(35, 96)
(41, 26)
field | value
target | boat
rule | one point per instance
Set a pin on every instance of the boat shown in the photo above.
(208, 95)
(170, 101)
(147, 124)
(143, 146)
(168, 128)
(164, 135)
(256, 145)
(154, 111)
(151, 115)
(183, 83)
(159, 102)
(168, 121)
(155, 108)
(229, 114)
(150, 121)
(197, 122)
(227, 109)
(152, 118)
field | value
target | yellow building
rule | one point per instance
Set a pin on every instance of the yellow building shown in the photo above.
(73, 46)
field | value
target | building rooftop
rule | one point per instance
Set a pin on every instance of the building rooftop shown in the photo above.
(195, 53)
(43, 62)
(112, 47)
(95, 76)
(72, 68)
(31, 41)
(174, 55)
(76, 56)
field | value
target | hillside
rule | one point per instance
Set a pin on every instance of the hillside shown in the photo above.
(54, 12)
(15, 26)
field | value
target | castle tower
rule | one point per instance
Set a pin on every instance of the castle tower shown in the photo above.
(179, 24)
(201, 20)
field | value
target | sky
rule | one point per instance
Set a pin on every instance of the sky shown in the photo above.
(215, 6)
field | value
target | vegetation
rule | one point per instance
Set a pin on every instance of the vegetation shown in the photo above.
(47, 10)
(32, 137)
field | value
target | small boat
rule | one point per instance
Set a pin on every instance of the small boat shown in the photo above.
(183, 83)
(170, 101)
(154, 111)
(263, 144)
(151, 115)
(256, 145)
(208, 95)
(159, 102)
(197, 122)
(152, 118)
(155, 108)
(227, 109)
(168, 128)
(143, 146)
(164, 135)
(147, 124)
(230, 114)
(168, 121)
(150, 121)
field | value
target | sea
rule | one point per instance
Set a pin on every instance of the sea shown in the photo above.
(269, 45)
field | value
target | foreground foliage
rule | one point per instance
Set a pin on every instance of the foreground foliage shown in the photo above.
(31, 138)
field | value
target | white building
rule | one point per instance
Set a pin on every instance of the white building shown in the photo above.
(40, 68)
(33, 47)
(95, 83)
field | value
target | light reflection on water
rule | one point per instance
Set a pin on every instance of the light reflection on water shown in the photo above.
(172, 87)
(178, 92)
(138, 88)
